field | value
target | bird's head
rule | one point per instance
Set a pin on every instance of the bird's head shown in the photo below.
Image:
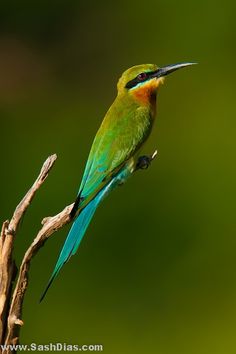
(142, 81)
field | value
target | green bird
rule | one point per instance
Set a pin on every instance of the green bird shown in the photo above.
(115, 152)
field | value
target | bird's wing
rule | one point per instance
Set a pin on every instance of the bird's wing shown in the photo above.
(116, 141)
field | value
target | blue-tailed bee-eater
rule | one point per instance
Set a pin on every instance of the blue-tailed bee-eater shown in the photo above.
(115, 152)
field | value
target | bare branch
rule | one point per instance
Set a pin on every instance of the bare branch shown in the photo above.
(8, 233)
(50, 226)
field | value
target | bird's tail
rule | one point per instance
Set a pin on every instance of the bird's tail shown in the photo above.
(75, 236)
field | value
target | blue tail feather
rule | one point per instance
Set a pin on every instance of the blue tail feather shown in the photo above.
(74, 237)
(76, 234)
(81, 224)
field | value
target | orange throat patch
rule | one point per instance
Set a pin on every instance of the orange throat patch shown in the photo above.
(146, 93)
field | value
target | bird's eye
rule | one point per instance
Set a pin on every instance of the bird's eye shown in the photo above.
(142, 76)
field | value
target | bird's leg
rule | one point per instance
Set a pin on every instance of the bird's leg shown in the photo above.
(144, 161)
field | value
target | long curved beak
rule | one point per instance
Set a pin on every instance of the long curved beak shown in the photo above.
(166, 70)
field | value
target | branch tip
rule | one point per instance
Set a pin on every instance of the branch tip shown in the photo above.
(19, 322)
(154, 155)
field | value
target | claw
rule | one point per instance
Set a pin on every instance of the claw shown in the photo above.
(145, 161)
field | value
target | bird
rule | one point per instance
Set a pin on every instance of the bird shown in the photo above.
(116, 150)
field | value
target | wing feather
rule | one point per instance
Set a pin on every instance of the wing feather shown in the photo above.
(117, 140)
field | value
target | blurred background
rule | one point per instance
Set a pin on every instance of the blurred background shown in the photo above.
(156, 272)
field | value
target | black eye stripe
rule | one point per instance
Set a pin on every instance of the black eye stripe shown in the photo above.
(140, 78)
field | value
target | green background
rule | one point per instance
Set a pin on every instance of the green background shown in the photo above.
(156, 270)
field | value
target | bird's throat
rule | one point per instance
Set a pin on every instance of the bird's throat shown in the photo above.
(146, 94)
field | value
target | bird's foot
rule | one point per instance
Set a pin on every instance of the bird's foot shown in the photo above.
(145, 161)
